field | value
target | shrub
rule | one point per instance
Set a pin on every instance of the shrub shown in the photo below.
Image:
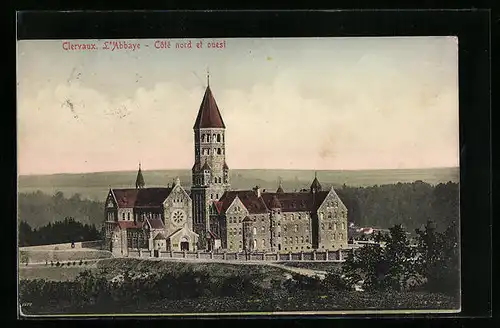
(58, 264)
(335, 281)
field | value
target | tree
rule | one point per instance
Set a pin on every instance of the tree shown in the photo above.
(388, 264)
(438, 259)
(25, 234)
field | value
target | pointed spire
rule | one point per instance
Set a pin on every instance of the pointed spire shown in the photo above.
(315, 185)
(280, 188)
(209, 115)
(139, 181)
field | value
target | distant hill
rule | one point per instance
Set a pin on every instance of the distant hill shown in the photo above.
(94, 186)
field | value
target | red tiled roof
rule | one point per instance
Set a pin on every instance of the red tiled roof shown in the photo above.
(143, 197)
(129, 225)
(152, 197)
(275, 203)
(125, 197)
(209, 114)
(289, 202)
(155, 223)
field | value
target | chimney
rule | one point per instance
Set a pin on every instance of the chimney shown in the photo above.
(257, 191)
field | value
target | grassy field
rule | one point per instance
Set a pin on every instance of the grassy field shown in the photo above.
(95, 186)
(66, 273)
(36, 256)
(111, 268)
(272, 298)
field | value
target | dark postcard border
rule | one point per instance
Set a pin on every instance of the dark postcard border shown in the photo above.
(471, 26)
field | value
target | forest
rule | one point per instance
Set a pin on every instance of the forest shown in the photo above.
(65, 231)
(379, 206)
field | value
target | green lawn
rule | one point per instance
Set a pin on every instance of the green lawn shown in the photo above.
(65, 273)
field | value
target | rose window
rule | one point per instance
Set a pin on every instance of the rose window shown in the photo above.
(178, 217)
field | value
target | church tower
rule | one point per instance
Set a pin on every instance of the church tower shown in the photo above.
(210, 172)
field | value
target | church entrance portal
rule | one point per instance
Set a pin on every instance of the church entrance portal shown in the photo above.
(184, 244)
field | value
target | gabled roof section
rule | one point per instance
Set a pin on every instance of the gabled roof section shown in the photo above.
(125, 198)
(252, 203)
(208, 115)
(142, 197)
(155, 224)
(129, 225)
(152, 197)
(295, 201)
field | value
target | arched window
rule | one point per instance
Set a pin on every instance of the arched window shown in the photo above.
(211, 196)
(216, 196)
(208, 138)
(123, 215)
(343, 225)
(128, 216)
(296, 228)
(218, 138)
(254, 230)
(203, 138)
(301, 239)
(335, 226)
(214, 136)
(255, 243)
(218, 151)
(263, 243)
(296, 240)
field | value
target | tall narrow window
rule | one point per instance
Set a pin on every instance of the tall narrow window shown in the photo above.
(218, 138)
(263, 243)
(219, 151)
(202, 138)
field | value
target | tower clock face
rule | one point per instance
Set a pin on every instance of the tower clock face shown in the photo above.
(178, 217)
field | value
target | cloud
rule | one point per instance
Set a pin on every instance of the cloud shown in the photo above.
(371, 112)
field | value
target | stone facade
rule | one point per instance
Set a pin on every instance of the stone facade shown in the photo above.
(140, 218)
(280, 222)
(213, 215)
(210, 173)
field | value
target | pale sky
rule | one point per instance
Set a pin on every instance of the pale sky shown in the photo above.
(309, 103)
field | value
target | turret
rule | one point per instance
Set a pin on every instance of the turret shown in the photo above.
(139, 181)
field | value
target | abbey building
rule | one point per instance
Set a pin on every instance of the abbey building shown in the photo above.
(213, 216)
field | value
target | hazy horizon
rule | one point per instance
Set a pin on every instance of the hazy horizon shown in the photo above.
(319, 104)
(246, 169)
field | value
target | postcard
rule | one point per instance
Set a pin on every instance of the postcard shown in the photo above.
(238, 176)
